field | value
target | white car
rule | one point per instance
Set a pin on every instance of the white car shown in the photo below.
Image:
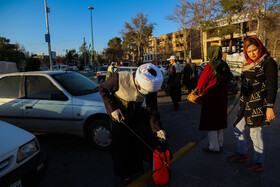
(55, 102)
(126, 68)
(22, 163)
(162, 69)
(101, 73)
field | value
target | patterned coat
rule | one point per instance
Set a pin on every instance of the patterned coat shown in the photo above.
(258, 91)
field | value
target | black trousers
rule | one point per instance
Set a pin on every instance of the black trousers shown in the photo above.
(175, 94)
(128, 152)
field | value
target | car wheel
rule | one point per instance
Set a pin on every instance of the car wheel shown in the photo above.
(99, 134)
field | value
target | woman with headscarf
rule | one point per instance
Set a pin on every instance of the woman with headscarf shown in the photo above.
(258, 95)
(213, 84)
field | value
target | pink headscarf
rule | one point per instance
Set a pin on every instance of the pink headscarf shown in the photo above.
(262, 51)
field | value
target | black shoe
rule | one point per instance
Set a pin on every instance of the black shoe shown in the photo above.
(206, 149)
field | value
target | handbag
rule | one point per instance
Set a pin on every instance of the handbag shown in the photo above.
(195, 97)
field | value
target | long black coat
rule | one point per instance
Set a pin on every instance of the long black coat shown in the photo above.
(258, 91)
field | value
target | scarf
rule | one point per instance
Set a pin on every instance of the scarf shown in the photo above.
(220, 68)
(262, 51)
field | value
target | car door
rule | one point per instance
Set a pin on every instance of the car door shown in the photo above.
(10, 101)
(46, 107)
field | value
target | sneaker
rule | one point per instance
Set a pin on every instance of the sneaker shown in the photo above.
(237, 157)
(254, 166)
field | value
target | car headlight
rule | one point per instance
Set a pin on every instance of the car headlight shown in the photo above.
(27, 150)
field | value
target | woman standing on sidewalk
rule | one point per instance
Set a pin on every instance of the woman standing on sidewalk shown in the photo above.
(213, 84)
(258, 94)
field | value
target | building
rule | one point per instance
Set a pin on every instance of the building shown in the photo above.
(245, 27)
(166, 45)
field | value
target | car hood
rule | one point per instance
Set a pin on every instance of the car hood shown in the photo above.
(93, 99)
(12, 137)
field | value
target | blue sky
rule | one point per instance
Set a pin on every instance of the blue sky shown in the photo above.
(24, 22)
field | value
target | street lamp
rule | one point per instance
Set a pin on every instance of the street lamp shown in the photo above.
(92, 46)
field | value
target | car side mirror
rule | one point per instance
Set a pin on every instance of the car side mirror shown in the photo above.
(58, 96)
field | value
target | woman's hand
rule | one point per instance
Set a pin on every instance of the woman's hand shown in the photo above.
(270, 114)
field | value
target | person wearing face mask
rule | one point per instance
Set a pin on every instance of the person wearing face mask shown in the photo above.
(132, 96)
(258, 94)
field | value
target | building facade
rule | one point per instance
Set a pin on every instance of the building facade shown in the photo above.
(161, 48)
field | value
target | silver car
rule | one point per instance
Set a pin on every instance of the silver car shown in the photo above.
(55, 102)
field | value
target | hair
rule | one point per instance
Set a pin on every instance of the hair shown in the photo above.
(152, 72)
(250, 41)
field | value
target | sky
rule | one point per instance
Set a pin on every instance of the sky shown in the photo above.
(24, 21)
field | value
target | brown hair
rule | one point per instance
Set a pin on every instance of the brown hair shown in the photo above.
(250, 41)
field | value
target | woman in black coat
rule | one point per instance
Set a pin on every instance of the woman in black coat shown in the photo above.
(258, 94)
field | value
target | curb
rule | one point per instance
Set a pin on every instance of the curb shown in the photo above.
(144, 179)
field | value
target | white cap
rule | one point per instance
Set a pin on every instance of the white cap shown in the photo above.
(173, 57)
(149, 77)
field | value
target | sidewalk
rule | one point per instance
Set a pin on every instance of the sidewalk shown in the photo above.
(198, 168)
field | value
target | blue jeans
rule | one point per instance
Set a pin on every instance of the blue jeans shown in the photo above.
(256, 135)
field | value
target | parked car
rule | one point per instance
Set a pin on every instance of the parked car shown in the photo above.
(203, 64)
(101, 73)
(22, 163)
(162, 68)
(126, 68)
(55, 102)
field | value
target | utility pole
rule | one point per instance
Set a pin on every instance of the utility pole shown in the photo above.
(47, 36)
(85, 56)
(92, 46)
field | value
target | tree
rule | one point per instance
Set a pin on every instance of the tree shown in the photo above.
(203, 12)
(71, 57)
(32, 64)
(264, 12)
(165, 50)
(136, 35)
(114, 51)
(181, 16)
(11, 52)
(225, 23)
(85, 56)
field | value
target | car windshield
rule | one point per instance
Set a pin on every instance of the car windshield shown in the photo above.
(75, 83)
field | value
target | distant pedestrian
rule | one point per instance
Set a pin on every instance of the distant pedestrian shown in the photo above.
(258, 94)
(174, 82)
(111, 69)
(213, 84)
(190, 75)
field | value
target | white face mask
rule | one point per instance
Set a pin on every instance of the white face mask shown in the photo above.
(142, 91)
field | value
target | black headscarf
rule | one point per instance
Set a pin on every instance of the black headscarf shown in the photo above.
(220, 68)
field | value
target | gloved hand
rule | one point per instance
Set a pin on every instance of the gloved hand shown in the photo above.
(161, 134)
(117, 115)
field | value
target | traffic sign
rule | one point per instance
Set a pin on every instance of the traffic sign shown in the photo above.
(47, 37)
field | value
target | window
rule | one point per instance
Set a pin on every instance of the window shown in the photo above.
(75, 83)
(9, 87)
(38, 87)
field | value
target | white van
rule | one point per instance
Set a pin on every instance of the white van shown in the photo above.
(7, 67)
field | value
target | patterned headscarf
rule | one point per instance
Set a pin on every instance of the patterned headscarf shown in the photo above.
(262, 50)
(220, 68)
